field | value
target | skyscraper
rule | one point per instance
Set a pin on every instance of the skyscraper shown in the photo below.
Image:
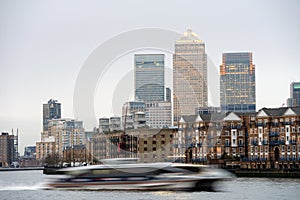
(294, 99)
(237, 82)
(189, 75)
(51, 110)
(149, 77)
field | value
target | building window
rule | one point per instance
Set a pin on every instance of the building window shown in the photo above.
(240, 133)
(240, 142)
(294, 148)
(282, 149)
(266, 149)
(241, 150)
(227, 150)
(233, 151)
(226, 133)
(227, 142)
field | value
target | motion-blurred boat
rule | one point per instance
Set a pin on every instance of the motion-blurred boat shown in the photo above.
(122, 174)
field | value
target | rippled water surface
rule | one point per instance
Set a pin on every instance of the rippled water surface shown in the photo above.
(25, 185)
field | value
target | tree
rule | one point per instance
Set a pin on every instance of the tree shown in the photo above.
(53, 160)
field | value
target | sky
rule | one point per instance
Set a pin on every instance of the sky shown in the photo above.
(44, 45)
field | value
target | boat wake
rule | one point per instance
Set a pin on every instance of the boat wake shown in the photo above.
(17, 187)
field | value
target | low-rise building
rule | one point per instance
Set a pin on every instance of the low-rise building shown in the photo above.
(149, 145)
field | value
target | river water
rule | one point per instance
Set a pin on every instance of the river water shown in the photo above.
(25, 185)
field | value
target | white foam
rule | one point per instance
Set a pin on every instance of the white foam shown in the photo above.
(17, 187)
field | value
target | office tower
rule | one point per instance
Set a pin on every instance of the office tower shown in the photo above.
(149, 77)
(159, 114)
(294, 99)
(189, 75)
(237, 82)
(51, 110)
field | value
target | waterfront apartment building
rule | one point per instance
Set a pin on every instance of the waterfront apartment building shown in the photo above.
(149, 77)
(149, 145)
(274, 138)
(294, 99)
(189, 75)
(67, 132)
(61, 133)
(45, 148)
(237, 82)
(269, 138)
(51, 110)
(7, 149)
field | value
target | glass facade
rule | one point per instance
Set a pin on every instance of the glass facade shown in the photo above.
(51, 110)
(149, 77)
(237, 82)
(189, 75)
(294, 99)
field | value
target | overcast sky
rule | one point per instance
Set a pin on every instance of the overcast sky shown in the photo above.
(43, 45)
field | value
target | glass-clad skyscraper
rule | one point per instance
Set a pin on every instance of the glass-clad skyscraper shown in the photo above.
(149, 77)
(189, 75)
(294, 99)
(237, 82)
(51, 110)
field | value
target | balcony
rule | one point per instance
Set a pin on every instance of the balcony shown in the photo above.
(254, 159)
(276, 142)
(254, 143)
(241, 144)
(273, 134)
(289, 159)
(287, 123)
(261, 124)
(197, 160)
